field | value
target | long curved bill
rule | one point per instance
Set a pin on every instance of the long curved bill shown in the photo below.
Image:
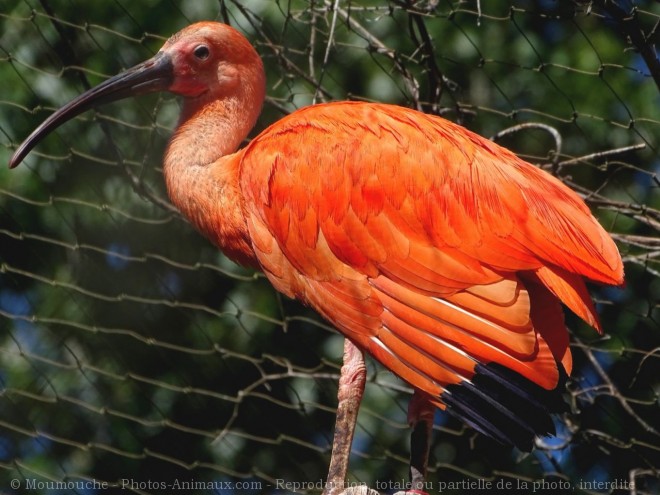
(155, 74)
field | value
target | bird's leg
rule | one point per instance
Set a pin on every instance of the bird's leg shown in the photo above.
(352, 379)
(420, 418)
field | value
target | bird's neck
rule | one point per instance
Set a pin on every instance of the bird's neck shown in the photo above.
(208, 131)
(202, 170)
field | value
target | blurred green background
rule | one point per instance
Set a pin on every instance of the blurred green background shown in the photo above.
(130, 349)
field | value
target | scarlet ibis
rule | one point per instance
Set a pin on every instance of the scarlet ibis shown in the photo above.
(438, 252)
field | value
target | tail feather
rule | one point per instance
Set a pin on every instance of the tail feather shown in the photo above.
(505, 405)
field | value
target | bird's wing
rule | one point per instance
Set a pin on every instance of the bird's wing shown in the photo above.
(430, 247)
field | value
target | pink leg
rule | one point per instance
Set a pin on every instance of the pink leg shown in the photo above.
(420, 418)
(351, 387)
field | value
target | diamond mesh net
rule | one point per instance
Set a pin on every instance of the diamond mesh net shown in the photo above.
(134, 355)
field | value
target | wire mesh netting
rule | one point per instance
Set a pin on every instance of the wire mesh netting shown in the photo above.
(134, 356)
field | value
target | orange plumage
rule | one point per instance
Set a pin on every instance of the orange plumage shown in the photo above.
(421, 241)
(440, 253)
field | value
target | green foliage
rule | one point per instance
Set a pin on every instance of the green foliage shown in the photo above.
(130, 349)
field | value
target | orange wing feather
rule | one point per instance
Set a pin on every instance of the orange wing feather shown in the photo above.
(430, 247)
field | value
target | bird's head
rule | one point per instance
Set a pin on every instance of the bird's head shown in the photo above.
(204, 61)
(209, 57)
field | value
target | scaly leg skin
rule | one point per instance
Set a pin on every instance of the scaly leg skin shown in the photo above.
(352, 379)
(420, 418)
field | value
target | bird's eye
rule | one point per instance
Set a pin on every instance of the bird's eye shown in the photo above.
(202, 52)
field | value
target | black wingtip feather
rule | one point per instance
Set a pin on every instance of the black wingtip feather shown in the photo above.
(505, 405)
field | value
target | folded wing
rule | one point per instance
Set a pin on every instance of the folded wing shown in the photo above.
(435, 250)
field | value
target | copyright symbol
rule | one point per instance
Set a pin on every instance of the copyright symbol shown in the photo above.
(15, 484)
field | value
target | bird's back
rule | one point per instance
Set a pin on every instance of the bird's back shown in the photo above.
(438, 183)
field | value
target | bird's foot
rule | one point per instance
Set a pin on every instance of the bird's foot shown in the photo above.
(359, 490)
